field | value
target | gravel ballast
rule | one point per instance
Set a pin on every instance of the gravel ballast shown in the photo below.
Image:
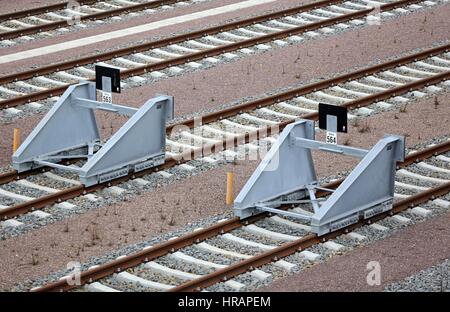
(435, 278)
(137, 38)
(248, 279)
(230, 83)
(117, 226)
(129, 222)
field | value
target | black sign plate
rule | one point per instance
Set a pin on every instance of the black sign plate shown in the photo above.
(113, 73)
(339, 111)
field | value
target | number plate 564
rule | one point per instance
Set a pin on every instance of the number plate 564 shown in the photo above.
(331, 137)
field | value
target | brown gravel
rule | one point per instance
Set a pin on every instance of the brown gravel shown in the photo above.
(200, 196)
(407, 252)
(230, 82)
(147, 36)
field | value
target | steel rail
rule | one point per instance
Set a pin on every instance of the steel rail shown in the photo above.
(302, 243)
(160, 250)
(98, 15)
(209, 149)
(417, 156)
(40, 10)
(161, 42)
(12, 175)
(146, 255)
(270, 100)
(296, 92)
(36, 96)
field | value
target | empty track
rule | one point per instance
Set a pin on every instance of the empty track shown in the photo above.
(42, 19)
(152, 60)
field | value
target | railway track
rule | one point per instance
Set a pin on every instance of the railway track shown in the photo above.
(43, 19)
(247, 127)
(258, 247)
(146, 62)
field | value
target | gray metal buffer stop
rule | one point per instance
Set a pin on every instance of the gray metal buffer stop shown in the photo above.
(69, 130)
(287, 175)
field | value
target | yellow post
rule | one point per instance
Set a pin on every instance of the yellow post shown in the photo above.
(230, 197)
(16, 139)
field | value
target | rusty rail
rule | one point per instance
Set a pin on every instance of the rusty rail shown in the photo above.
(40, 10)
(160, 43)
(12, 175)
(36, 96)
(160, 250)
(57, 24)
(209, 149)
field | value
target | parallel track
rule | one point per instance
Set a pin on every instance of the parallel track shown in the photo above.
(39, 10)
(303, 243)
(210, 142)
(153, 57)
(17, 24)
(428, 69)
(124, 264)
